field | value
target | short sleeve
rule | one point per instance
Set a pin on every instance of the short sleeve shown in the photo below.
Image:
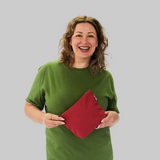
(112, 104)
(37, 95)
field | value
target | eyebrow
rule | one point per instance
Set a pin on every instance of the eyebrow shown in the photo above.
(88, 32)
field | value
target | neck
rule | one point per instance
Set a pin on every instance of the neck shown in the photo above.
(80, 64)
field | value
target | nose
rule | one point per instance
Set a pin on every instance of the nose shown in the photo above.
(84, 39)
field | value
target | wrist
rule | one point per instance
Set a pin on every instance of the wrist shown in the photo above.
(42, 117)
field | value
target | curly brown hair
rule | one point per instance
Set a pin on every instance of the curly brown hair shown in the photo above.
(97, 62)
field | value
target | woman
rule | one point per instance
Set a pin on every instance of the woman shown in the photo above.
(61, 83)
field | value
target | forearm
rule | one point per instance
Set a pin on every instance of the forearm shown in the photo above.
(34, 113)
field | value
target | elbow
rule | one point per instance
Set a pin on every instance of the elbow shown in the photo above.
(26, 108)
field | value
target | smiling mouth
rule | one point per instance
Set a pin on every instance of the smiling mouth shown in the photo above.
(84, 48)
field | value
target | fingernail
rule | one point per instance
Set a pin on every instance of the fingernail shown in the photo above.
(63, 123)
(97, 127)
(102, 121)
(63, 119)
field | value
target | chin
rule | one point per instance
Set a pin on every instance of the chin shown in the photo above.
(85, 57)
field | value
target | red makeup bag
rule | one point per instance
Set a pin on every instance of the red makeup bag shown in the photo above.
(84, 116)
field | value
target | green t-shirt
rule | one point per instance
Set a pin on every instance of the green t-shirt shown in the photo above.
(57, 87)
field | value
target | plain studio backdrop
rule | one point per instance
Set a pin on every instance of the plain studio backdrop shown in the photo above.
(29, 36)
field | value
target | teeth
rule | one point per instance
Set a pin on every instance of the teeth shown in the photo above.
(84, 47)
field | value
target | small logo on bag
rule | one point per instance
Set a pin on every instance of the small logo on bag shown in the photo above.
(95, 97)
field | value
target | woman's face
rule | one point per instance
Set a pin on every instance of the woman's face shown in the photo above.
(84, 41)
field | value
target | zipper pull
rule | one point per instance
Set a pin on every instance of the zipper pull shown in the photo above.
(95, 97)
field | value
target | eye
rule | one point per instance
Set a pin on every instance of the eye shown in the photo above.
(91, 36)
(78, 35)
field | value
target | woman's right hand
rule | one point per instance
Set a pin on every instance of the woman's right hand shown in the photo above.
(48, 119)
(52, 120)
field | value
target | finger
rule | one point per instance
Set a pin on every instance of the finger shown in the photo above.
(98, 127)
(104, 124)
(57, 118)
(57, 123)
(49, 122)
(105, 119)
(106, 113)
(52, 124)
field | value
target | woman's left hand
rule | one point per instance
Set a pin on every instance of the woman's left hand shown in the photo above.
(110, 120)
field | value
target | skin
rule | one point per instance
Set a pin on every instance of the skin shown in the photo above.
(111, 119)
(84, 36)
(48, 119)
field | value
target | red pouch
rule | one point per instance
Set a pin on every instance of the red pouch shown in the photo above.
(84, 116)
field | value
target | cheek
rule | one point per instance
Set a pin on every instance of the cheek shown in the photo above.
(71, 40)
(74, 41)
(95, 42)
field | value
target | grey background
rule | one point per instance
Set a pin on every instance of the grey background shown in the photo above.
(29, 36)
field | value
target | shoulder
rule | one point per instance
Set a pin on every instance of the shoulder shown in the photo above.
(51, 65)
(107, 76)
(106, 73)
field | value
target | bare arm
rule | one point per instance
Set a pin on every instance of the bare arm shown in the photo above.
(36, 115)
